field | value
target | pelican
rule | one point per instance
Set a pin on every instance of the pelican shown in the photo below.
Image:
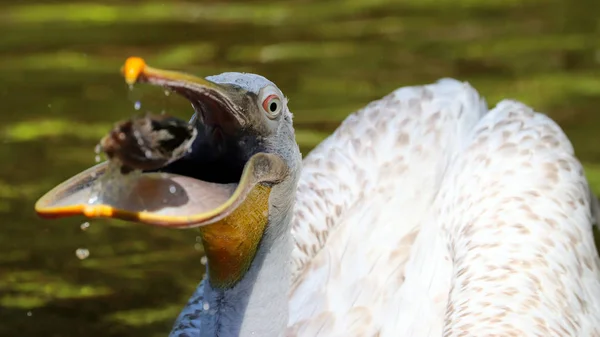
(423, 214)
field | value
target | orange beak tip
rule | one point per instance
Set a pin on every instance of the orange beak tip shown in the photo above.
(134, 66)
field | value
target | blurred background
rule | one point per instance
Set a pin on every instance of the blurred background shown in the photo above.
(61, 90)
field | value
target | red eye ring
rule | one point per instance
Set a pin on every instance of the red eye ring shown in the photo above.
(268, 107)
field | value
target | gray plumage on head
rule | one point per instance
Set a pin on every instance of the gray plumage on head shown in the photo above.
(283, 134)
(248, 81)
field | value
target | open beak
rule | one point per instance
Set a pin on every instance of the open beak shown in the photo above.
(215, 105)
(168, 199)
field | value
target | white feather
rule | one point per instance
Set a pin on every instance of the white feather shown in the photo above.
(477, 190)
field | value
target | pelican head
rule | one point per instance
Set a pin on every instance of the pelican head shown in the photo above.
(236, 180)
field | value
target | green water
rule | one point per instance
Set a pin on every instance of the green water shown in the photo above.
(61, 90)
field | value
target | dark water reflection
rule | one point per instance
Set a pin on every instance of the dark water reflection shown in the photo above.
(60, 91)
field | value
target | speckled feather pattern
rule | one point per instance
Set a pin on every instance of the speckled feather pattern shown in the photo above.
(516, 213)
(426, 215)
(375, 180)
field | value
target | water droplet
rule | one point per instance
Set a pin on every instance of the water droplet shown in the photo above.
(172, 189)
(137, 105)
(205, 306)
(203, 260)
(138, 136)
(93, 199)
(198, 238)
(198, 246)
(82, 253)
(97, 158)
(148, 154)
(167, 92)
(97, 149)
(131, 87)
(85, 226)
(29, 313)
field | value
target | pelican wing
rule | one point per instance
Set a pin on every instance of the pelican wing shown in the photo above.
(513, 215)
(362, 198)
(424, 215)
(517, 213)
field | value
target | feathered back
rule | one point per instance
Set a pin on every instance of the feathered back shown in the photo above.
(424, 214)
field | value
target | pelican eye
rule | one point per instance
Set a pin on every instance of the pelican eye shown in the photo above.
(272, 105)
